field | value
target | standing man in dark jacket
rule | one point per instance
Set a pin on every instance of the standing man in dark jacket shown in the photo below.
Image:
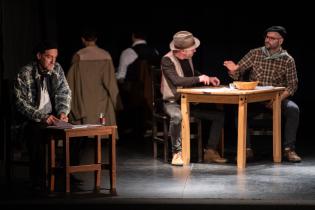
(134, 79)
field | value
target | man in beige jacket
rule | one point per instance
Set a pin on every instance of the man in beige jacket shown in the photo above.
(94, 87)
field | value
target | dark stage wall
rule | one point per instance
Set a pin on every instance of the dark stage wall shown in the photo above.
(226, 32)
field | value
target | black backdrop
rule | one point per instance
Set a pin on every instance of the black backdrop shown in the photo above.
(226, 32)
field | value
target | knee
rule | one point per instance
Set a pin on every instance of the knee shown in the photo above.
(176, 118)
(293, 110)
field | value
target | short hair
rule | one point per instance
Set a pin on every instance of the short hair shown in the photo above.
(139, 34)
(280, 29)
(89, 35)
(46, 45)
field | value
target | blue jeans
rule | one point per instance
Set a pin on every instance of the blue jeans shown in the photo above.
(290, 113)
(215, 116)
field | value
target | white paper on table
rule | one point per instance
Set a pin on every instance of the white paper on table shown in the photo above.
(263, 87)
(212, 90)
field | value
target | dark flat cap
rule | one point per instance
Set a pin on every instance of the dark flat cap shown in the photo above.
(280, 29)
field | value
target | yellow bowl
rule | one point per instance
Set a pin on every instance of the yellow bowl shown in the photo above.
(245, 85)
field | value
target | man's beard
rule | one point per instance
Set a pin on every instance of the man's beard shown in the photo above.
(44, 70)
(267, 45)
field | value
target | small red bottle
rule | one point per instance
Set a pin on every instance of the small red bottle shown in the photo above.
(102, 119)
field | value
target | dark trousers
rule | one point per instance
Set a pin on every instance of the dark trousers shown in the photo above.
(36, 143)
(290, 116)
(201, 111)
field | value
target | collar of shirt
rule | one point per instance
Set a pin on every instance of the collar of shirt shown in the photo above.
(276, 55)
(139, 42)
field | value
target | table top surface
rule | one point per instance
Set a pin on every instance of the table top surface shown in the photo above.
(83, 127)
(225, 90)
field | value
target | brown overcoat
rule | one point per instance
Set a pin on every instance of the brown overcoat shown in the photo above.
(91, 78)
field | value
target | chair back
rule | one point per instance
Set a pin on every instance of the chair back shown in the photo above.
(260, 124)
(14, 145)
(157, 98)
(160, 121)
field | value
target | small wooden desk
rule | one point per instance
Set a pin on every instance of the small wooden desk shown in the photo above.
(66, 134)
(225, 95)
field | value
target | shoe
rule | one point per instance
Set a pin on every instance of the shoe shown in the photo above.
(177, 159)
(212, 156)
(291, 156)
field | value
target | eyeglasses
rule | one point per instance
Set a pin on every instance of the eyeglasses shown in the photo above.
(272, 38)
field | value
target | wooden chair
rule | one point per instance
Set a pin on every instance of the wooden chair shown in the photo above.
(261, 125)
(160, 121)
(14, 141)
(261, 122)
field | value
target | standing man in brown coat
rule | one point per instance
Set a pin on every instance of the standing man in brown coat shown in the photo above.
(94, 87)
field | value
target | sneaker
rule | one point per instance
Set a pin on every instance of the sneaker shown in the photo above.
(291, 156)
(212, 156)
(177, 159)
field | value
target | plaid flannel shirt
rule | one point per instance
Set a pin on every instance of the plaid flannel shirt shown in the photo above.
(269, 70)
(26, 91)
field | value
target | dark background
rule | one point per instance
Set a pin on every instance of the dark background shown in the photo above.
(226, 31)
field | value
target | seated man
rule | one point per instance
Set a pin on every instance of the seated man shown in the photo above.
(178, 71)
(42, 98)
(272, 65)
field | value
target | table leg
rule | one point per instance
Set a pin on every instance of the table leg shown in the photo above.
(52, 163)
(98, 156)
(185, 130)
(276, 107)
(67, 165)
(113, 163)
(241, 133)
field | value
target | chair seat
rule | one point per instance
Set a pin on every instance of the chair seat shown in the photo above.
(161, 134)
(260, 124)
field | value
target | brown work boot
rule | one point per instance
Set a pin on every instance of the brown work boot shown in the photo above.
(177, 159)
(291, 156)
(212, 156)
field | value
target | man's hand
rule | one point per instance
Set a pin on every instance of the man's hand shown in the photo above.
(231, 66)
(204, 79)
(50, 120)
(269, 104)
(209, 80)
(283, 96)
(63, 117)
(214, 81)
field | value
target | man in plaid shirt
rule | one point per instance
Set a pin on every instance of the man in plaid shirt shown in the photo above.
(273, 66)
(42, 98)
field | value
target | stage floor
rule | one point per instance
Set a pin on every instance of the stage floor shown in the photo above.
(142, 180)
